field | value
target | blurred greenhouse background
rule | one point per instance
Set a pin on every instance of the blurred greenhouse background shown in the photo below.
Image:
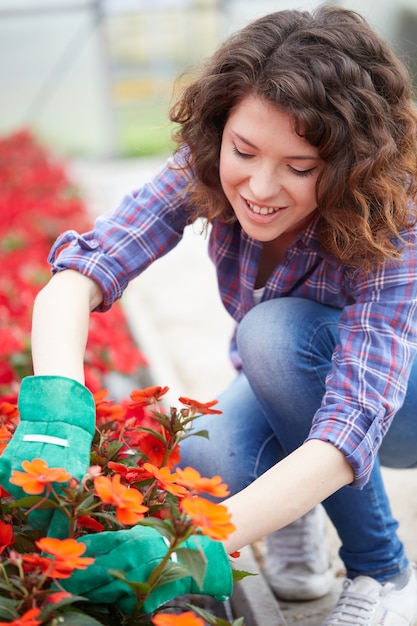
(95, 78)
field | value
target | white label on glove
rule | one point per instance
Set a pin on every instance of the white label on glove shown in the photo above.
(58, 441)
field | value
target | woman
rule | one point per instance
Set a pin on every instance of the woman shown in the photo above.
(297, 143)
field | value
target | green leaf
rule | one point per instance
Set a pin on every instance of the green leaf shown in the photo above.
(162, 527)
(137, 586)
(198, 433)
(171, 573)
(161, 419)
(113, 450)
(195, 563)
(29, 501)
(211, 619)
(52, 607)
(8, 608)
(86, 501)
(76, 618)
(155, 434)
(240, 575)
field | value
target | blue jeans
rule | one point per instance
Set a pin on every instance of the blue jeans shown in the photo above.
(286, 346)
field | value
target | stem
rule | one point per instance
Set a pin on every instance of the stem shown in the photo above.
(3, 569)
(153, 578)
(41, 501)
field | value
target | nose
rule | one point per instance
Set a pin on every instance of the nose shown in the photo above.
(264, 185)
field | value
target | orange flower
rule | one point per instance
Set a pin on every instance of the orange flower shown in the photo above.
(166, 480)
(128, 501)
(66, 554)
(9, 410)
(5, 436)
(184, 619)
(190, 478)
(37, 474)
(106, 410)
(28, 619)
(204, 408)
(149, 395)
(212, 519)
(6, 536)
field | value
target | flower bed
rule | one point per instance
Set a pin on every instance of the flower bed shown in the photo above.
(37, 203)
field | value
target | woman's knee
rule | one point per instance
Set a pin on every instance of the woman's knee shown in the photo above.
(287, 333)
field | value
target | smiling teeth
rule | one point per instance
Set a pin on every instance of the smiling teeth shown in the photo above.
(262, 210)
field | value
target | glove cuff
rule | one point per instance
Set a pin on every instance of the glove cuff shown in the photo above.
(218, 581)
(59, 398)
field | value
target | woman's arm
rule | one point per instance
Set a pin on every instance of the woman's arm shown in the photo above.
(60, 324)
(286, 492)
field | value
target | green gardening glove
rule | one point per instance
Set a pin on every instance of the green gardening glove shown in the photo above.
(137, 552)
(57, 420)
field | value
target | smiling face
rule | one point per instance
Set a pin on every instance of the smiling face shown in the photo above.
(267, 171)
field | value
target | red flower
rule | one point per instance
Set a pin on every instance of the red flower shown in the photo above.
(88, 522)
(28, 619)
(129, 474)
(156, 451)
(203, 408)
(33, 562)
(3, 493)
(149, 395)
(6, 536)
(58, 596)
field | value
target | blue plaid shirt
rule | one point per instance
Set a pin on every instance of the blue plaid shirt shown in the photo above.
(377, 328)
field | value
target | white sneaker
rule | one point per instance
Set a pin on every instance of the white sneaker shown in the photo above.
(297, 559)
(366, 602)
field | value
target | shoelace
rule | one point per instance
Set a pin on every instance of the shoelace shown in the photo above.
(355, 608)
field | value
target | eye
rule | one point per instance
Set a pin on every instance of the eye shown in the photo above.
(302, 172)
(241, 155)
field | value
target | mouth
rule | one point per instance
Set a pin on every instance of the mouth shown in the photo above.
(262, 210)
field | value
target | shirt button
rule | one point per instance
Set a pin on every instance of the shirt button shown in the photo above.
(87, 244)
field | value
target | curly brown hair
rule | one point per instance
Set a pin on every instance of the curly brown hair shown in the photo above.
(350, 96)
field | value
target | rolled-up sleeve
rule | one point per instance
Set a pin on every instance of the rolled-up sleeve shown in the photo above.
(123, 243)
(371, 364)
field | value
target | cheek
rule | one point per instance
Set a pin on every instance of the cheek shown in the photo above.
(308, 196)
(227, 173)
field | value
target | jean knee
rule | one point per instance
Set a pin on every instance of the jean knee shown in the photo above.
(284, 332)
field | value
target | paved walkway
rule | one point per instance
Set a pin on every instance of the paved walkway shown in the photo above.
(177, 317)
